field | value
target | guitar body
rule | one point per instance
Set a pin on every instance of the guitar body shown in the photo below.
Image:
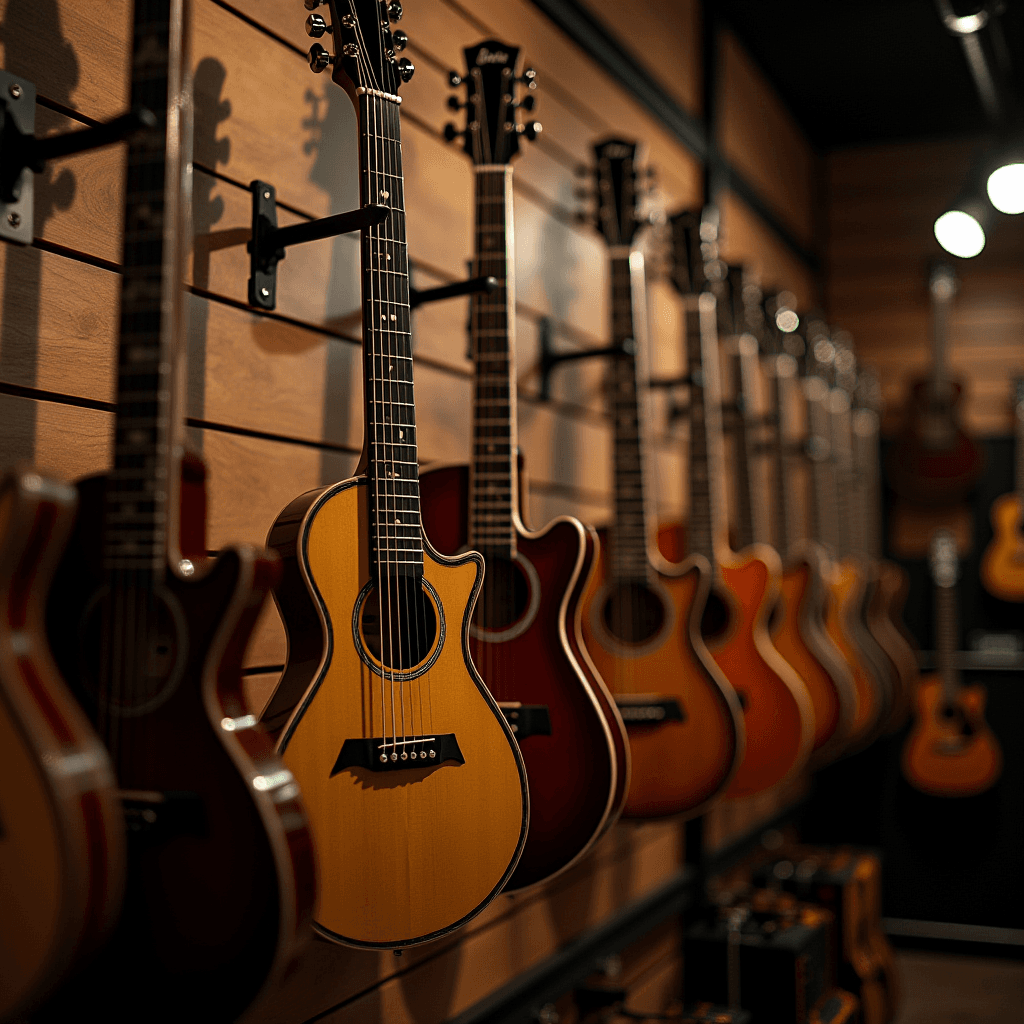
(777, 709)
(843, 622)
(1002, 565)
(411, 854)
(61, 825)
(529, 659)
(221, 876)
(951, 751)
(884, 613)
(678, 764)
(800, 636)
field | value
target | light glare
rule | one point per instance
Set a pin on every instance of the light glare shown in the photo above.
(1006, 188)
(960, 234)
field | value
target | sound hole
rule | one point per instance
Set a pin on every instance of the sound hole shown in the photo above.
(715, 620)
(633, 613)
(400, 629)
(505, 596)
(130, 669)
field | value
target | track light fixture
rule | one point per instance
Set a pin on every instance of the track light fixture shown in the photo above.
(961, 229)
(1005, 184)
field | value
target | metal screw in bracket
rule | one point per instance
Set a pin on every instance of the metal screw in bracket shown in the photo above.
(15, 90)
(14, 219)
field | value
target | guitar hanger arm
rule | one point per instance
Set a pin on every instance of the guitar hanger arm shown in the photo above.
(549, 359)
(451, 291)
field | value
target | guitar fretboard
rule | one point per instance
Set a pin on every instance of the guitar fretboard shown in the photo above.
(136, 504)
(628, 536)
(946, 641)
(493, 477)
(396, 536)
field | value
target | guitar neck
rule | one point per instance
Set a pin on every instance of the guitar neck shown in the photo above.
(138, 495)
(940, 341)
(751, 523)
(396, 536)
(841, 465)
(869, 525)
(822, 455)
(493, 477)
(628, 539)
(707, 461)
(1018, 410)
(946, 639)
(782, 499)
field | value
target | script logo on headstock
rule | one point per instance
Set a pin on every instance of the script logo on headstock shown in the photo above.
(486, 56)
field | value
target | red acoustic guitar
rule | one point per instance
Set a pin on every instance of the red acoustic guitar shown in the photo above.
(220, 864)
(642, 619)
(61, 826)
(527, 610)
(778, 713)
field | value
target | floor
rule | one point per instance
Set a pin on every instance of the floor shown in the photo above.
(942, 989)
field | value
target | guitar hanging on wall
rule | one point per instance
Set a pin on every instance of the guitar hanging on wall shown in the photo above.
(642, 615)
(533, 581)
(221, 876)
(414, 782)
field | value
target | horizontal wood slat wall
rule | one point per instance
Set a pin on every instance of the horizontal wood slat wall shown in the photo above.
(274, 400)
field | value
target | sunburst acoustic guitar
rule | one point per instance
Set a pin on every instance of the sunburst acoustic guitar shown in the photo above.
(777, 710)
(1002, 565)
(414, 781)
(951, 750)
(61, 825)
(641, 621)
(220, 879)
(520, 636)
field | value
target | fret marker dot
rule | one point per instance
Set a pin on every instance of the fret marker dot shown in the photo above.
(398, 522)
(384, 194)
(393, 317)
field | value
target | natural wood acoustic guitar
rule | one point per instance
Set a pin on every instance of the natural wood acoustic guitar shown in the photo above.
(798, 620)
(415, 785)
(641, 620)
(777, 710)
(61, 826)
(220, 880)
(526, 612)
(1002, 565)
(951, 751)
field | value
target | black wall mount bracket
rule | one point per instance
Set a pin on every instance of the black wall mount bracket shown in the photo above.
(473, 286)
(267, 246)
(549, 359)
(23, 156)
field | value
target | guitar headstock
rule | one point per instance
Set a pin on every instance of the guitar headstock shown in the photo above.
(492, 132)
(365, 45)
(942, 558)
(620, 190)
(1018, 397)
(942, 281)
(694, 241)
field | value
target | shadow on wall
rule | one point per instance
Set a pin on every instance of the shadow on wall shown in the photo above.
(19, 319)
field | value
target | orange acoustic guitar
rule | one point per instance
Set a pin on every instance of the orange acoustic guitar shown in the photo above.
(534, 579)
(798, 619)
(950, 751)
(62, 852)
(778, 713)
(641, 619)
(1002, 565)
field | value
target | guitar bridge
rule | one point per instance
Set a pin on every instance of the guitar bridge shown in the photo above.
(649, 709)
(401, 753)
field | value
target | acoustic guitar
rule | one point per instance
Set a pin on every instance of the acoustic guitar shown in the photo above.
(61, 826)
(220, 881)
(934, 462)
(951, 751)
(1002, 565)
(527, 610)
(415, 785)
(798, 619)
(641, 621)
(777, 709)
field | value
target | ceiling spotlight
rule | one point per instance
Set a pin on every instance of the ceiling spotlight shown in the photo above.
(1006, 187)
(961, 229)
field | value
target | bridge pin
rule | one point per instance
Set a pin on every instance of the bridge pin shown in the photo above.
(433, 754)
(394, 757)
(384, 758)
(405, 756)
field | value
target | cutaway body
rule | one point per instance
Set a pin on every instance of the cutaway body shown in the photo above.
(221, 875)
(528, 658)
(1002, 565)
(777, 709)
(686, 753)
(406, 854)
(800, 636)
(61, 826)
(951, 751)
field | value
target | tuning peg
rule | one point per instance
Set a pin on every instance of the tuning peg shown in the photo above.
(454, 79)
(316, 26)
(529, 78)
(531, 129)
(527, 102)
(395, 11)
(454, 104)
(319, 58)
(582, 192)
(406, 69)
(451, 133)
(581, 171)
(312, 5)
(401, 39)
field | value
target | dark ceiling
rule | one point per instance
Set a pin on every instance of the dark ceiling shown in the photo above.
(870, 71)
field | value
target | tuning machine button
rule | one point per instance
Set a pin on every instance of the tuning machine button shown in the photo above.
(312, 5)
(454, 104)
(406, 69)
(527, 102)
(529, 78)
(316, 26)
(531, 129)
(454, 79)
(319, 58)
(451, 133)
(401, 39)
(395, 11)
